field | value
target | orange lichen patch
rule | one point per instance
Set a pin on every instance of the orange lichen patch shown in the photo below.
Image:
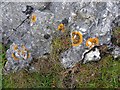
(24, 48)
(76, 38)
(91, 42)
(28, 55)
(15, 47)
(33, 18)
(14, 57)
(61, 27)
(18, 51)
(23, 53)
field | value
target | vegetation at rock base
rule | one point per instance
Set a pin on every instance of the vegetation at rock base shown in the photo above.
(116, 36)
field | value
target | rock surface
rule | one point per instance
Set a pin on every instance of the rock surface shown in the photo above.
(92, 19)
(18, 57)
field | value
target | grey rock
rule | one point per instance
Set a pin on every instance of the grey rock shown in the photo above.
(72, 56)
(23, 58)
(42, 33)
(116, 52)
(92, 19)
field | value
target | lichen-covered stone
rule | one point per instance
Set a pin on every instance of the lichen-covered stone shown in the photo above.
(91, 19)
(41, 31)
(18, 56)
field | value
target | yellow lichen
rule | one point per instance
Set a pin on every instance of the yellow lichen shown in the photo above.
(14, 57)
(91, 42)
(28, 55)
(23, 52)
(61, 27)
(33, 18)
(15, 47)
(18, 51)
(76, 38)
(24, 48)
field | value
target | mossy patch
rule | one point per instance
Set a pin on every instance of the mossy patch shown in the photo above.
(102, 74)
(60, 44)
(116, 36)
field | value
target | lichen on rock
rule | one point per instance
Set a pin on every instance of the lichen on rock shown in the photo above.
(18, 56)
(43, 26)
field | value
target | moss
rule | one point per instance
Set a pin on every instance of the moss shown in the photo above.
(60, 44)
(3, 50)
(116, 36)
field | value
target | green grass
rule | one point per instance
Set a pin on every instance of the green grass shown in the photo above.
(25, 80)
(102, 74)
(2, 55)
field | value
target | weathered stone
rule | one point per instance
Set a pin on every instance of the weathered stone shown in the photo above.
(92, 19)
(116, 52)
(41, 32)
(18, 57)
